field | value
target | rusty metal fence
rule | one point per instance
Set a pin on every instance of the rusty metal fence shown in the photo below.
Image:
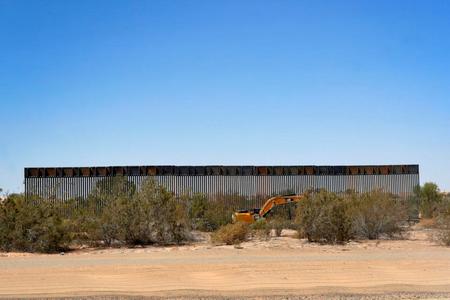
(253, 183)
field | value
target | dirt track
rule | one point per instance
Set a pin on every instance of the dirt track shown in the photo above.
(282, 267)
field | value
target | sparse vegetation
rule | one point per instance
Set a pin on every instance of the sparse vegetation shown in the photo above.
(443, 236)
(377, 213)
(443, 221)
(434, 208)
(277, 224)
(111, 216)
(231, 234)
(116, 214)
(260, 229)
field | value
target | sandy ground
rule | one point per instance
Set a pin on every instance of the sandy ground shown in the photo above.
(282, 268)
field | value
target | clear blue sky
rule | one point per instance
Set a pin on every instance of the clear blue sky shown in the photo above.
(224, 82)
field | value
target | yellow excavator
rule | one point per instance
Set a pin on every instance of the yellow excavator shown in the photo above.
(251, 216)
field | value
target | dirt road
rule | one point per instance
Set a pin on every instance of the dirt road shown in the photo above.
(281, 267)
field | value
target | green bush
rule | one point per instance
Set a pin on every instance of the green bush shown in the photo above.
(209, 215)
(375, 214)
(429, 198)
(101, 219)
(197, 208)
(31, 226)
(324, 217)
(155, 217)
(231, 234)
(328, 218)
(218, 214)
(150, 216)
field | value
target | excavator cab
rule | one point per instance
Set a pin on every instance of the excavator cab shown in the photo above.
(246, 216)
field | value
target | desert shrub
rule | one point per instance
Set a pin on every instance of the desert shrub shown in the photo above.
(377, 213)
(101, 218)
(150, 216)
(218, 214)
(235, 201)
(110, 226)
(443, 235)
(443, 225)
(31, 226)
(428, 223)
(443, 221)
(279, 223)
(324, 217)
(155, 217)
(197, 208)
(274, 222)
(231, 234)
(429, 198)
(85, 224)
(442, 210)
(260, 229)
(260, 224)
(114, 214)
(413, 208)
(209, 214)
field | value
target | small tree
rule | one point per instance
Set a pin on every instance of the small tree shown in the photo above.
(100, 218)
(28, 226)
(429, 198)
(155, 217)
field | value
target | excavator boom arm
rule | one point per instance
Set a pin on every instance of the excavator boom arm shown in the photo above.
(250, 216)
(278, 200)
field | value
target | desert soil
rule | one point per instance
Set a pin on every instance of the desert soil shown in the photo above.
(282, 268)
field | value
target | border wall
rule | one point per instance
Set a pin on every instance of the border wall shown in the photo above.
(251, 182)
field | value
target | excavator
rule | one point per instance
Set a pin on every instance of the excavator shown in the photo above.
(251, 216)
